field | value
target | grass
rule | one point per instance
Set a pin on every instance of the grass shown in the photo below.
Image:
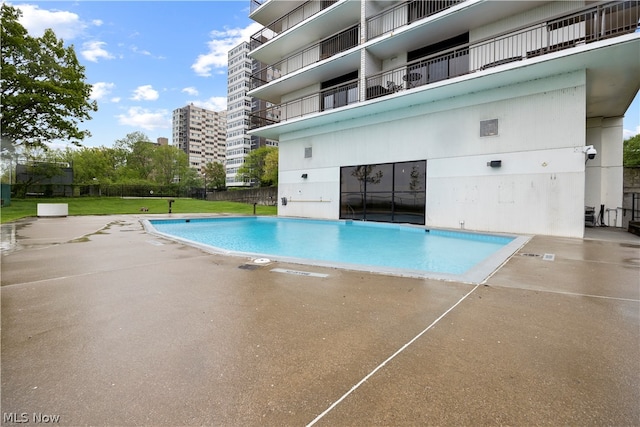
(22, 208)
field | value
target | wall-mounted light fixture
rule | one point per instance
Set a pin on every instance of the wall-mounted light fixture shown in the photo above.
(495, 163)
(304, 176)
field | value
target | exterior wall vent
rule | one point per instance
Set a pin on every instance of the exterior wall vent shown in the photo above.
(308, 152)
(489, 127)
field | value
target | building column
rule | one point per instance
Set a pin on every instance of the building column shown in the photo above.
(604, 174)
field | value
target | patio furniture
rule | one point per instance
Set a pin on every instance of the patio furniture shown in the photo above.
(412, 79)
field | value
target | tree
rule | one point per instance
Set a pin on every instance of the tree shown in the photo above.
(138, 156)
(215, 175)
(253, 168)
(270, 174)
(44, 96)
(169, 164)
(93, 163)
(631, 151)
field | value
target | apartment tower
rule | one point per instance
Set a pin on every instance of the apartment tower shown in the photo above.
(475, 114)
(200, 133)
(239, 108)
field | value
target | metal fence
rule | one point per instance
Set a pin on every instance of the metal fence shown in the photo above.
(587, 26)
(312, 54)
(567, 31)
(299, 14)
(105, 190)
(330, 98)
(635, 207)
(405, 14)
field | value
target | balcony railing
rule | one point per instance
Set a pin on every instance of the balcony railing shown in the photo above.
(405, 14)
(327, 99)
(299, 14)
(587, 26)
(312, 54)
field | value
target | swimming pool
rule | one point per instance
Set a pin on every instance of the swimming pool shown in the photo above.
(376, 247)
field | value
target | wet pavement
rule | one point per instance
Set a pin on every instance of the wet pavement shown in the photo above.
(104, 324)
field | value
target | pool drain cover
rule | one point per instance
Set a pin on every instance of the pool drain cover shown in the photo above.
(248, 267)
(262, 261)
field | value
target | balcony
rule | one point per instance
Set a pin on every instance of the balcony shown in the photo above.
(255, 4)
(311, 55)
(327, 99)
(267, 11)
(291, 19)
(404, 14)
(547, 37)
(587, 26)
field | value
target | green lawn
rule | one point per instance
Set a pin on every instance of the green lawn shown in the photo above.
(21, 208)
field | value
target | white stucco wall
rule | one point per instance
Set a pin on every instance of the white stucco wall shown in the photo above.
(604, 174)
(540, 188)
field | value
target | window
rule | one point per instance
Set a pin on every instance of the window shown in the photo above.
(340, 91)
(390, 192)
(450, 64)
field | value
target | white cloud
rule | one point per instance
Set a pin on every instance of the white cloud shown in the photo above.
(190, 90)
(219, 46)
(215, 103)
(135, 49)
(139, 117)
(627, 133)
(138, 51)
(145, 93)
(66, 25)
(101, 89)
(93, 50)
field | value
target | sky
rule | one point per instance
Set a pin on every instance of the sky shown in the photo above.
(145, 58)
(148, 58)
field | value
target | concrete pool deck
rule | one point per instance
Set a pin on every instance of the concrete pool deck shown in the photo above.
(104, 324)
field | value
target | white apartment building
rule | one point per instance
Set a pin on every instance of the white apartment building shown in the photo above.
(239, 107)
(200, 133)
(454, 114)
(238, 112)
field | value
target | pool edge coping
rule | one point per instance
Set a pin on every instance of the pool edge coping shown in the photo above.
(476, 275)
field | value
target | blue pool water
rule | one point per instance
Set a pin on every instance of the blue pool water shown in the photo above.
(385, 246)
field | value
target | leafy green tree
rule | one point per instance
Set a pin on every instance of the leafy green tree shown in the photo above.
(138, 156)
(190, 178)
(7, 160)
(169, 164)
(44, 96)
(631, 151)
(215, 175)
(94, 163)
(253, 168)
(271, 167)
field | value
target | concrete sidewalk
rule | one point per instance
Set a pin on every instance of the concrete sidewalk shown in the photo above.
(103, 324)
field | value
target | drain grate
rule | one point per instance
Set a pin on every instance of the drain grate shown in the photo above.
(531, 255)
(249, 267)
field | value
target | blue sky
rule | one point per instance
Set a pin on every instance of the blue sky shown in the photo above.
(147, 58)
